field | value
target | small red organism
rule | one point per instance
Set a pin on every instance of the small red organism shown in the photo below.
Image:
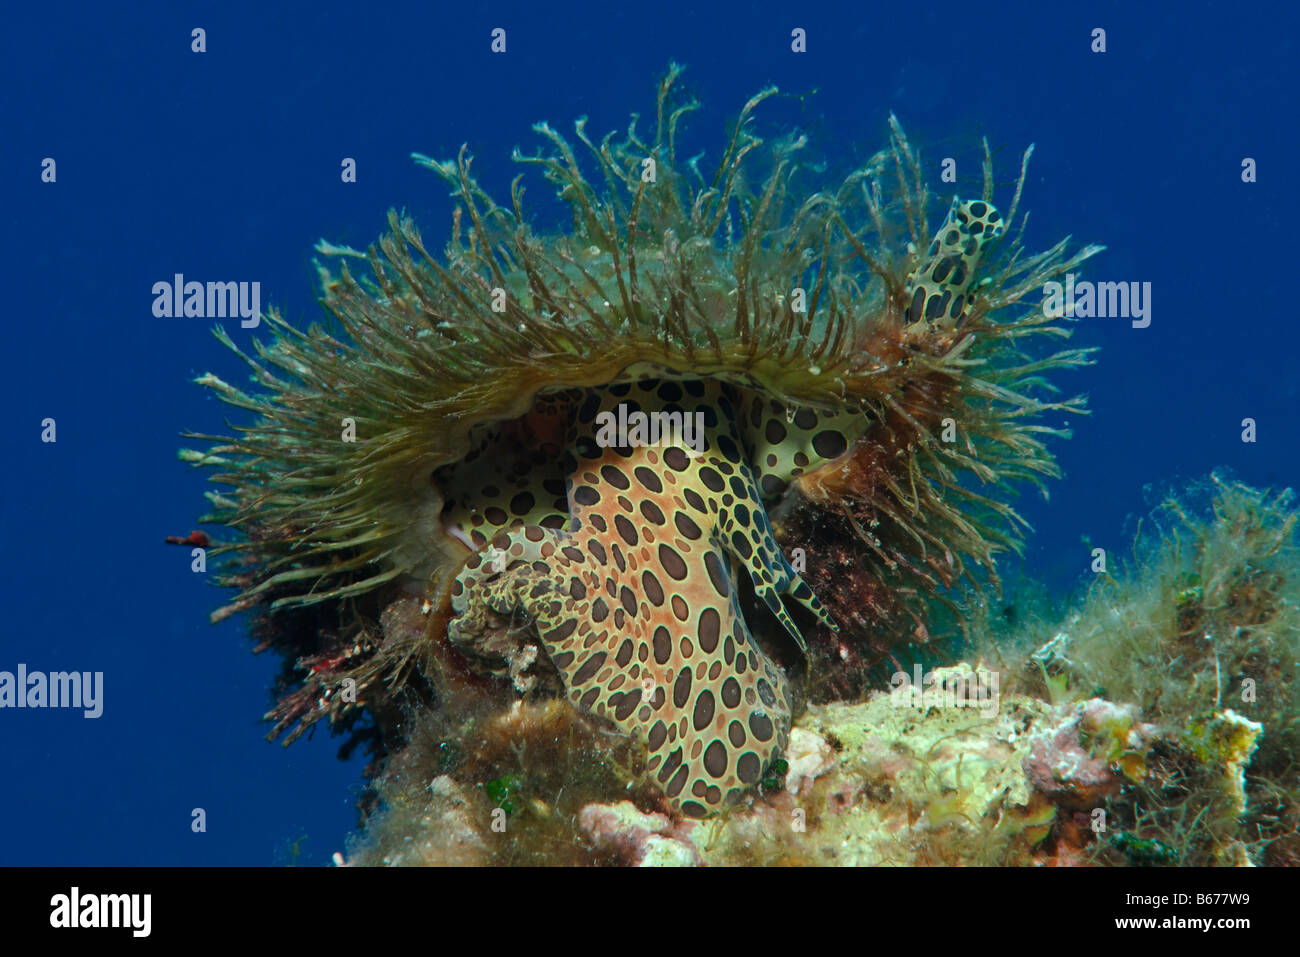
(196, 538)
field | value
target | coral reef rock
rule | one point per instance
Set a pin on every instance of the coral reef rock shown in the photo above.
(636, 837)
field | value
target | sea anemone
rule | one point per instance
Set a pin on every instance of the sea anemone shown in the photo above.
(599, 460)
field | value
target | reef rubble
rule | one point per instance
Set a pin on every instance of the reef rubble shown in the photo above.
(879, 783)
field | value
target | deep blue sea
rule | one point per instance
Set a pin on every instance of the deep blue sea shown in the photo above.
(224, 165)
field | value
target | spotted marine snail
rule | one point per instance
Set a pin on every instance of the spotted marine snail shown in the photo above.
(768, 350)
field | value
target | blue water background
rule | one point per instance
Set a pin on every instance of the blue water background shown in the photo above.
(226, 166)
